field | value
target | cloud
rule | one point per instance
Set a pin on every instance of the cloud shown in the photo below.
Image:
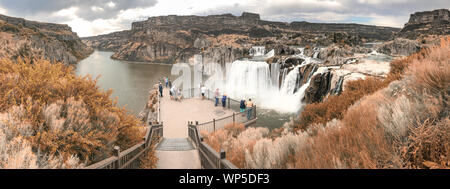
(94, 17)
(87, 9)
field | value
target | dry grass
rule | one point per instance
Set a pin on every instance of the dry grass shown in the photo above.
(335, 106)
(60, 114)
(149, 159)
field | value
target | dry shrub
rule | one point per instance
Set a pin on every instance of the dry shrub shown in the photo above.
(63, 116)
(275, 154)
(149, 159)
(427, 65)
(433, 72)
(358, 143)
(235, 141)
(428, 145)
(335, 106)
(403, 126)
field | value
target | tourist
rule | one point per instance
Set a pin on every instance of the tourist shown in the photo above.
(249, 106)
(224, 100)
(174, 93)
(242, 105)
(170, 84)
(172, 89)
(216, 96)
(160, 89)
(167, 81)
(180, 96)
(203, 90)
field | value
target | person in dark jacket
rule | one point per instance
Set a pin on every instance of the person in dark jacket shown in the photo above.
(242, 106)
(224, 100)
(160, 89)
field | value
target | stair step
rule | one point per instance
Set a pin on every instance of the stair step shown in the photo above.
(175, 144)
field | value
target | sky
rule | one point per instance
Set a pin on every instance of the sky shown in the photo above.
(95, 17)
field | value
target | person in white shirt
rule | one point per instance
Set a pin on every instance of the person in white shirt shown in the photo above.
(173, 90)
(203, 89)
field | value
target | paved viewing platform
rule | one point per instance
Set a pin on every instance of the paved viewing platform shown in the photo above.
(177, 134)
(176, 151)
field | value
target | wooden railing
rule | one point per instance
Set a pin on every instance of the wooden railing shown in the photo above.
(209, 158)
(129, 158)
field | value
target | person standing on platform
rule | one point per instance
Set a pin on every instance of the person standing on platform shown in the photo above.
(224, 100)
(249, 108)
(160, 89)
(216, 97)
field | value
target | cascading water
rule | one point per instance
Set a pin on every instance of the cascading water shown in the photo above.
(275, 74)
(253, 79)
(248, 79)
(258, 51)
(316, 52)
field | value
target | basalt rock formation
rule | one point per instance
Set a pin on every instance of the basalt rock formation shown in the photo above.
(399, 46)
(436, 22)
(170, 39)
(20, 38)
(423, 29)
(318, 88)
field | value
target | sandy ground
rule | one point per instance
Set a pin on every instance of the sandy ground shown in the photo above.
(175, 115)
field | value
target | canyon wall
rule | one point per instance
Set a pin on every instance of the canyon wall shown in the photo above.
(436, 22)
(20, 38)
(170, 39)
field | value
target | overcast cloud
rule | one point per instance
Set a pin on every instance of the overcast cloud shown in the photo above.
(94, 17)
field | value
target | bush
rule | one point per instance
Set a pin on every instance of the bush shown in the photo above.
(335, 106)
(60, 114)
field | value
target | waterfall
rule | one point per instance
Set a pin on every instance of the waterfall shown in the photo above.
(302, 51)
(261, 82)
(253, 79)
(284, 74)
(316, 52)
(338, 88)
(258, 51)
(275, 74)
(248, 79)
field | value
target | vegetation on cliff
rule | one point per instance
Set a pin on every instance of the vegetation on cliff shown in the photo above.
(51, 118)
(400, 122)
(20, 38)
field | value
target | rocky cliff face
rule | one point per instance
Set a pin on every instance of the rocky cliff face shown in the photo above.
(399, 46)
(173, 38)
(422, 29)
(435, 22)
(30, 39)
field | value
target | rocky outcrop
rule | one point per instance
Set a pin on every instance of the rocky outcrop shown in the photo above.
(318, 88)
(291, 62)
(399, 47)
(282, 49)
(436, 22)
(335, 55)
(20, 38)
(222, 55)
(305, 72)
(172, 38)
